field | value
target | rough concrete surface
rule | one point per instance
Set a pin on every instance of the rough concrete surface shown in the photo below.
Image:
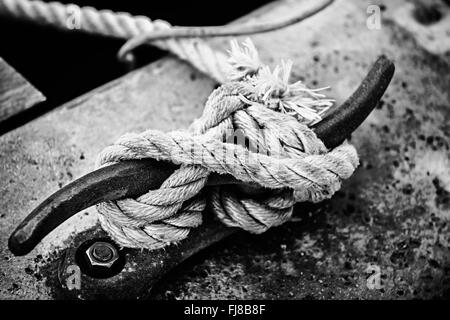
(384, 235)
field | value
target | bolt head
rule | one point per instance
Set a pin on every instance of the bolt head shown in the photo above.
(102, 254)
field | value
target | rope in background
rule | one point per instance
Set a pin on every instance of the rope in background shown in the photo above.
(141, 29)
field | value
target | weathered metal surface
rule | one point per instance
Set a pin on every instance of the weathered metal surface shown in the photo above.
(16, 93)
(133, 178)
(389, 222)
(151, 266)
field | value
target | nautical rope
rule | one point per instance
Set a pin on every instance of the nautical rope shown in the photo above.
(279, 151)
(184, 42)
(282, 154)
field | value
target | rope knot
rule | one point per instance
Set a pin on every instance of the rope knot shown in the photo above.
(254, 127)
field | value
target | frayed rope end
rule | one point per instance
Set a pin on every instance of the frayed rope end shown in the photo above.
(272, 87)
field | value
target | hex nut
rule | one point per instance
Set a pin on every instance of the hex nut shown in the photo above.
(102, 254)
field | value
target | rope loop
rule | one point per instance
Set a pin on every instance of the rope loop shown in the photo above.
(254, 127)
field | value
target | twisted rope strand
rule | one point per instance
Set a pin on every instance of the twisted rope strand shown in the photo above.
(184, 42)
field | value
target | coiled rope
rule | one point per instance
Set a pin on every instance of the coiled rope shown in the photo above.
(282, 153)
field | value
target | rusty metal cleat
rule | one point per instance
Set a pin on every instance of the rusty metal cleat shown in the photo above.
(132, 178)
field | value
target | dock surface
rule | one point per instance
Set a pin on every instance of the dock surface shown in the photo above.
(384, 235)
